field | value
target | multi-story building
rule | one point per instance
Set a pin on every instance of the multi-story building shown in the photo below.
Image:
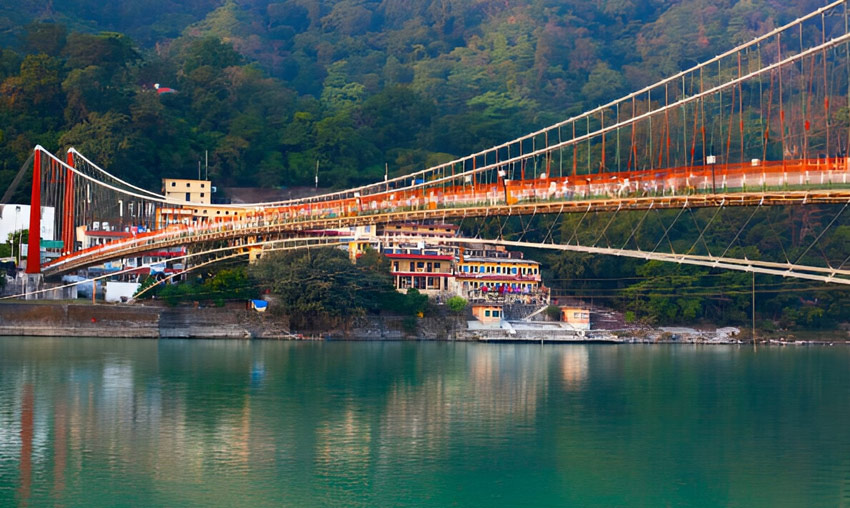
(426, 268)
(477, 272)
(497, 274)
(187, 191)
(389, 231)
(197, 194)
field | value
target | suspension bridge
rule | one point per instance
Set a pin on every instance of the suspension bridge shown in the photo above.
(764, 124)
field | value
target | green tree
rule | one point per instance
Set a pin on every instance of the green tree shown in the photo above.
(47, 38)
(322, 288)
(457, 304)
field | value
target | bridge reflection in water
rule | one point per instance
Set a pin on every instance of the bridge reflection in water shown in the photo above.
(199, 423)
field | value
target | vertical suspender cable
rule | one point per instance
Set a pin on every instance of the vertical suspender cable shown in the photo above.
(825, 83)
(741, 108)
(781, 108)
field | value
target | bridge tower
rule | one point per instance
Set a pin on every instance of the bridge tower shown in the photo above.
(34, 244)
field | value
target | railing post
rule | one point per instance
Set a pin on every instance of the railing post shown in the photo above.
(34, 244)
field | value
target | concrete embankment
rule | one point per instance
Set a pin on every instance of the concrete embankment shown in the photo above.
(233, 321)
(134, 321)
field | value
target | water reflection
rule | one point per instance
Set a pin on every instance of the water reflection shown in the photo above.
(574, 362)
(201, 423)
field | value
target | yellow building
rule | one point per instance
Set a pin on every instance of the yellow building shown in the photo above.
(427, 270)
(577, 317)
(197, 194)
(187, 191)
(487, 312)
(505, 278)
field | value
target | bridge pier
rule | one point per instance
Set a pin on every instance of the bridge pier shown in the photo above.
(32, 283)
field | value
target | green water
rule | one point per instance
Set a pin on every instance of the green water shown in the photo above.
(98, 422)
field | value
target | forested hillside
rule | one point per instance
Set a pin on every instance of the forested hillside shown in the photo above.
(270, 88)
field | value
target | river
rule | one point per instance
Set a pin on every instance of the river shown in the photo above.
(106, 422)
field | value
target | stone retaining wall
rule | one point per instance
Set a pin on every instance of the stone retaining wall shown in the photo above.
(231, 322)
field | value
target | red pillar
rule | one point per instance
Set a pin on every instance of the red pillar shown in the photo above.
(68, 216)
(34, 252)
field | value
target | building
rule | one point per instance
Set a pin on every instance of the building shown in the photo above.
(187, 191)
(17, 218)
(497, 274)
(428, 269)
(479, 273)
(197, 194)
(577, 317)
(387, 231)
(487, 312)
(417, 263)
(194, 214)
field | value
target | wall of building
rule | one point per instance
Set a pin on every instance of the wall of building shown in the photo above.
(188, 191)
(487, 313)
(120, 291)
(577, 317)
(12, 219)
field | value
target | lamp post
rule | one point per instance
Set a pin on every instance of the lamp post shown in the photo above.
(17, 211)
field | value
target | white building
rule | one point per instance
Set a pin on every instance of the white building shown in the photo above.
(17, 217)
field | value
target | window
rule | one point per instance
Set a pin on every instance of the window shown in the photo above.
(395, 266)
(466, 269)
(513, 270)
(412, 266)
(174, 184)
(487, 313)
(495, 313)
(436, 266)
(187, 185)
(420, 265)
(188, 197)
(202, 186)
(202, 194)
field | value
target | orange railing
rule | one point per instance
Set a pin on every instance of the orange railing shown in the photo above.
(719, 178)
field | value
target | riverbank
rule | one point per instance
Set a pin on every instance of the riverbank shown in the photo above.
(132, 321)
(234, 321)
